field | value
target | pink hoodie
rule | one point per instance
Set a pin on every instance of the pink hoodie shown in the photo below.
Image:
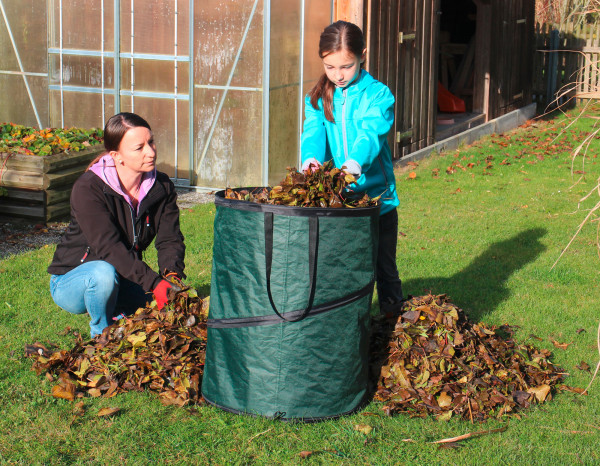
(105, 169)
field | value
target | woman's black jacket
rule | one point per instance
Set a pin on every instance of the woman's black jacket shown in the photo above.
(105, 227)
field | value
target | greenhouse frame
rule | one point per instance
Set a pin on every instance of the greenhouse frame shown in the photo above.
(221, 82)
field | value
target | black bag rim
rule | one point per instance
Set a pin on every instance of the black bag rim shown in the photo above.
(294, 211)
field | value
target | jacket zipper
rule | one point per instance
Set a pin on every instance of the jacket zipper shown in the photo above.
(344, 91)
(135, 234)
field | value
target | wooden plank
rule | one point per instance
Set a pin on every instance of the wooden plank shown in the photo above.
(64, 177)
(350, 10)
(54, 196)
(28, 195)
(28, 163)
(22, 179)
(20, 210)
(66, 160)
(481, 70)
(57, 211)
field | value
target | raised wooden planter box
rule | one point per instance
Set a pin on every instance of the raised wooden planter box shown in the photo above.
(39, 188)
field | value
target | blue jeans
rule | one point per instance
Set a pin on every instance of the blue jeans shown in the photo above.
(96, 288)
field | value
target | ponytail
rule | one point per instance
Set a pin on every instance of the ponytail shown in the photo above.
(323, 90)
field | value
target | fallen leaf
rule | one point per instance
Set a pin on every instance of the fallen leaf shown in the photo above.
(412, 175)
(583, 366)
(305, 454)
(563, 346)
(364, 428)
(105, 412)
(540, 392)
(66, 392)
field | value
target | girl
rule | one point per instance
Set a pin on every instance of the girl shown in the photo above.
(118, 206)
(348, 115)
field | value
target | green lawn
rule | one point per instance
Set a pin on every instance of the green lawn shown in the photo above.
(486, 234)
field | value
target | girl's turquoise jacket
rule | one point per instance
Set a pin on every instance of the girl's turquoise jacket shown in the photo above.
(364, 114)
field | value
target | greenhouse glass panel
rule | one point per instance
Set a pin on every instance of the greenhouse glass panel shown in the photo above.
(20, 108)
(223, 31)
(284, 79)
(231, 153)
(81, 71)
(160, 114)
(26, 21)
(79, 110)
(78, 24)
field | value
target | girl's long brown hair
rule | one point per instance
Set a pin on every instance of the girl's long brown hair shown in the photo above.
(114, 130)
(340, 35)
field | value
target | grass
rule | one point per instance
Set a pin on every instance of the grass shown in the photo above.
(486, 235)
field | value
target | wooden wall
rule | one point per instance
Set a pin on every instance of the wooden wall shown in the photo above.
(402, 54)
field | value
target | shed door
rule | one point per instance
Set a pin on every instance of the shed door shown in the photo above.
(402, 44)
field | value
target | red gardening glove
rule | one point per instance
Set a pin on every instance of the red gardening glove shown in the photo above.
(161, 293)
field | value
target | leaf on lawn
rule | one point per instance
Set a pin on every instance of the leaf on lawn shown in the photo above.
(583, 366)
(568, 388)
(540, 392)
(563, 346)
(305, 454)
(64, 391)
(363, 428)
(106, 412)
(412, 175)
(78, 409)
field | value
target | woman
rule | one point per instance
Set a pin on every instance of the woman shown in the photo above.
(348, 115)
(118, 206)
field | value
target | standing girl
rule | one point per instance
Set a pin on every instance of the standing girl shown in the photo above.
(118, 207)
(348, 115)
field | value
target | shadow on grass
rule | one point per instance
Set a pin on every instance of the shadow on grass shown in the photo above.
(481, 286)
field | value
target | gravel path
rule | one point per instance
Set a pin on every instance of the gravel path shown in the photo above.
(18, 236)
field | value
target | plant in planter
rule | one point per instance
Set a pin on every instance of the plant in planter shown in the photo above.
(38, 168)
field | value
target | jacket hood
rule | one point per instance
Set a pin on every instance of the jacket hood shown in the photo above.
(106, 170)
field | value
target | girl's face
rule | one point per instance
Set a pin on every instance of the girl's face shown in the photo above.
(342, 67)
(137, 151)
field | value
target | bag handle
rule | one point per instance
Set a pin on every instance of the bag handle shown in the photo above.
(313, 247)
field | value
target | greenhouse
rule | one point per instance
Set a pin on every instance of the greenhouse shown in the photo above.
(220, 82)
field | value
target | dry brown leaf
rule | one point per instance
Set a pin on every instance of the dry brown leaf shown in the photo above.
(363, 428)
(66, 392)
(106, 412)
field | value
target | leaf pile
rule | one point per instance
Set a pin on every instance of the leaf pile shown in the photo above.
(19, 139)
(324, 187)
(431, 360)
(162, 351)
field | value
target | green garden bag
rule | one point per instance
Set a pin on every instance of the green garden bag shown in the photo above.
(289, 316)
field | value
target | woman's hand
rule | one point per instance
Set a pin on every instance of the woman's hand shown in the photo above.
(161, 292)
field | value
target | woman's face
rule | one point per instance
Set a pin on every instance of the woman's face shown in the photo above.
(342, 67)
(137, 151)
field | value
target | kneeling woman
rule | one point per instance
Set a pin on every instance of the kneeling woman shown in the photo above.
(118, 206)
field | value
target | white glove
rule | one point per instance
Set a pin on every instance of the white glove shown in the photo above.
(352, 167)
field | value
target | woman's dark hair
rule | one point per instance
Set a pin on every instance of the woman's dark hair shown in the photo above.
(116, 127)
(340, 35)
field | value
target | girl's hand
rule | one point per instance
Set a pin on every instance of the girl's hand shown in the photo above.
(310, 165)
(352, 167)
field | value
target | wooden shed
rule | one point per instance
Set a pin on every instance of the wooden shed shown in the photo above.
(479, 51)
